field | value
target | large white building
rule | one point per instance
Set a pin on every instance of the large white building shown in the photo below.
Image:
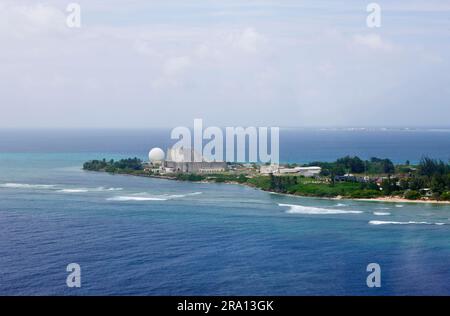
(268, 169)
(309, 171)
(184, 160)
(302, 171)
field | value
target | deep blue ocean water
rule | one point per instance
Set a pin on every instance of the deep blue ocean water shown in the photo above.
(296, 145)
(143, 236)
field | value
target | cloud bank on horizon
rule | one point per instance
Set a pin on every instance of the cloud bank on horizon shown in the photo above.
(256, 62)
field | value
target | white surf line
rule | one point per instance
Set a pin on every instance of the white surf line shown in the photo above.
(300, 209)
(403, 223)
(381, 213)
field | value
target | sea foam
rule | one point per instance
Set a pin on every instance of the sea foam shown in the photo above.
(402, 223)
(300, 209)
(148, 197)
(73, 190)
(124, 198)
(59, 188)
(83, 190)
(26, 186)
(174, 196)
(381, 213)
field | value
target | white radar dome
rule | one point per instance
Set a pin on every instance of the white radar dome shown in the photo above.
(156, 155)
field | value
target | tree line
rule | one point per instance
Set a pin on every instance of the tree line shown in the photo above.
(355, 164)
(129, 164)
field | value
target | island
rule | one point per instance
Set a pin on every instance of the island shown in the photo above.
(346, 178)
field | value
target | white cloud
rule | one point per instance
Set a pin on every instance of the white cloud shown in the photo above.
(22, 20)
(373, 41)
(176, 65)
(231, 71)
(419, 6)
(172, 72)
(249, 40)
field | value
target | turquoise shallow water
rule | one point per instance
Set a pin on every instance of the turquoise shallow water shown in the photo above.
(142, 236)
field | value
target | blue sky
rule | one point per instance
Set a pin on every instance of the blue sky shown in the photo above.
(256, 62)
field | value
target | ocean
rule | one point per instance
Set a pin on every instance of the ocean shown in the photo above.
(141, 236)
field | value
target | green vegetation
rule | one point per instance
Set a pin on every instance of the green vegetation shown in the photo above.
(370, 178)
(445, 196)
(356, 165)
(432, 177)
(262, 182)
(308, 187)
(130, 165)
(190, 177)
(219, 177)
(412, 195)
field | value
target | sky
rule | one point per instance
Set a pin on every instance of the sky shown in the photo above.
(149, 63)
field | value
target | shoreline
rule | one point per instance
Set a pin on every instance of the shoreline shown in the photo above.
(384, 199)
(397, 199)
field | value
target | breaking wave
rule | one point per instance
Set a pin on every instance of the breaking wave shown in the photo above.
(174, 196)
(381, 213)
(83, 190)
(195, 193)
(148, 197)
(125, 198)
(402, 223)
(300, 209)
(73, 190)
(59, 188)
(26, 186)
(109, 189)
(340, 205)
